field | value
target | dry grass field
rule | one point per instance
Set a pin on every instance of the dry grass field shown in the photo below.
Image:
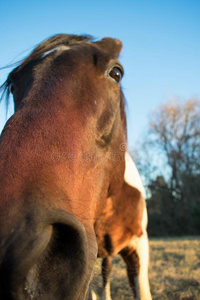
(174, 271)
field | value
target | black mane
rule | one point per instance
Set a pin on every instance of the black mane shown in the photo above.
(47, 45)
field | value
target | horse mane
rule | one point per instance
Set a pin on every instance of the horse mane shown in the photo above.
(46, 45)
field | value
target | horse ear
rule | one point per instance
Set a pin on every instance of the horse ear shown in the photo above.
(111, 46)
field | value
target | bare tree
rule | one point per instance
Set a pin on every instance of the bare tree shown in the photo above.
(175, 129)
(174, 143)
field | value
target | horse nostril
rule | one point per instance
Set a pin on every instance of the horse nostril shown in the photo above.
(66, 244)
(53, 262)
(65, 259)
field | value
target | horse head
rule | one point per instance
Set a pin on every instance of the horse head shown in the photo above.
(61, 157)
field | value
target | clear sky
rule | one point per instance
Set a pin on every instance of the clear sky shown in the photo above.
(161, 53)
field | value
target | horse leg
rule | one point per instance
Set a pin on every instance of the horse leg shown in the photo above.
(91, 294)
(136, 257)
(106, 269)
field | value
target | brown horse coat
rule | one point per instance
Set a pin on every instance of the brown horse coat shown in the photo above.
(57, 167)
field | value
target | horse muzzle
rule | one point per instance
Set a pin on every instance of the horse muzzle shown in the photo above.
(46, 259)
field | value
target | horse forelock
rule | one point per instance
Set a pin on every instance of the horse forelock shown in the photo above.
(54, 42)
(49, 45)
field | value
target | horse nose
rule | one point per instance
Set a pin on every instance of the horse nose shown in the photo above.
(46, 259)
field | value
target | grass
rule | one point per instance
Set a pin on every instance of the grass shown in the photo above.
(174, 271)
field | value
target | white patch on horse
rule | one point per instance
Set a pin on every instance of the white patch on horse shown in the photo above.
(60, 48)
(106, 291)
(94, 296)
(141, 246)
(144, 219)
(132, 176)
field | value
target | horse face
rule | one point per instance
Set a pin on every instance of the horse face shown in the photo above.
(61, 156)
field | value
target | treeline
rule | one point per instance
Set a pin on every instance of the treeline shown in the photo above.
(169, 162)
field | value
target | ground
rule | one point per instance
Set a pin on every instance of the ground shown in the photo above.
(174, 271)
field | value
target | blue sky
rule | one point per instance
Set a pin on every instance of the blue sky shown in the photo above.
(161, 53)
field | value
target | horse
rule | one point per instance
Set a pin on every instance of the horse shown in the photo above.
(122, 229)
(61, 157)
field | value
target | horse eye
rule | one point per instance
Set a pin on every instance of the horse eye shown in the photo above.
(116, 73)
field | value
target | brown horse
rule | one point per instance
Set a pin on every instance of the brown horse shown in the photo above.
(60, 159)
(122, 229)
